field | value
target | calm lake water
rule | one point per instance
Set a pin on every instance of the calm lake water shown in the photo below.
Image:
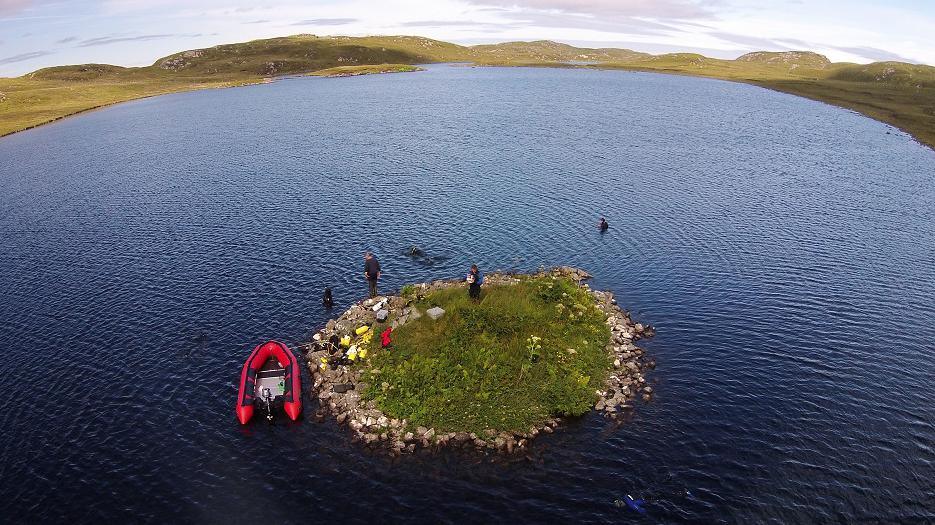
(783, 248)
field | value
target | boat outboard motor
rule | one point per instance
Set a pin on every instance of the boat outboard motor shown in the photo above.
(268, 397)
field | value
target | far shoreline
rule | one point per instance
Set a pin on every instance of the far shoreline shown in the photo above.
(371, 69)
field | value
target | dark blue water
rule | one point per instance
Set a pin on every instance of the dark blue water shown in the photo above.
(784, 249)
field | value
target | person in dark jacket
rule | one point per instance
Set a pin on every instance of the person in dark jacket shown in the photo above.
(474, 279)
(372, 272)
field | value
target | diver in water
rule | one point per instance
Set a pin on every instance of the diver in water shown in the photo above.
(327, 299)
(603, 225)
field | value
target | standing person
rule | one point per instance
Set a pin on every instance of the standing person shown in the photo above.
(474, 279)
(371, 272)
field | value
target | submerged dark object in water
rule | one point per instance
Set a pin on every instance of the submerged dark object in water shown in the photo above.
(270, 375)
(419, 255)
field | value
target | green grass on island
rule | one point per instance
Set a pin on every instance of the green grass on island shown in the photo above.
(897, 93)
(521, 354)
(375, 69)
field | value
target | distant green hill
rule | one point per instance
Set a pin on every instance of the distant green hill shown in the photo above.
(791, 60)
(890, 73)
(897, 93)
(547, 51)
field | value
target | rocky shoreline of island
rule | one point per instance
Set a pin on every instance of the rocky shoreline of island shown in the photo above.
(338, 383)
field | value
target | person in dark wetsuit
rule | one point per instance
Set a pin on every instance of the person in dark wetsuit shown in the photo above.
(327, 299)
(372, 272)
(603, 225)
(474, 279)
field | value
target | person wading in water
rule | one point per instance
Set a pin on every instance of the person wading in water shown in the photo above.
(474, 279)
(603, 225)
(371, 272)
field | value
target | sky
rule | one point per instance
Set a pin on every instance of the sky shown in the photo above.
(41, 33)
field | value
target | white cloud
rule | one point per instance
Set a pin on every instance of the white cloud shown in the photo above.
(660, 9)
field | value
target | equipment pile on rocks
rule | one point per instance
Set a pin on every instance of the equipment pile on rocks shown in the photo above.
(337, 376)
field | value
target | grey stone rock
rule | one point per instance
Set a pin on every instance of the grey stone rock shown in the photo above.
(435, 313)
(382, 315)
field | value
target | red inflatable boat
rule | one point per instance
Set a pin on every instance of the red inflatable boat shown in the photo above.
(270, 375)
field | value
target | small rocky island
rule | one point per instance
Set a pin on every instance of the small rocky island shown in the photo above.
(366, 69)
(431, 368)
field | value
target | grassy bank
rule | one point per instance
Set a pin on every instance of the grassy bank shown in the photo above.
(523, 353)
(897, 93)
(910, 109)
(27, 103)
(56, 92)
(902, 95)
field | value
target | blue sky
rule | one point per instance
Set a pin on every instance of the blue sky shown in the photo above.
(40, 33)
